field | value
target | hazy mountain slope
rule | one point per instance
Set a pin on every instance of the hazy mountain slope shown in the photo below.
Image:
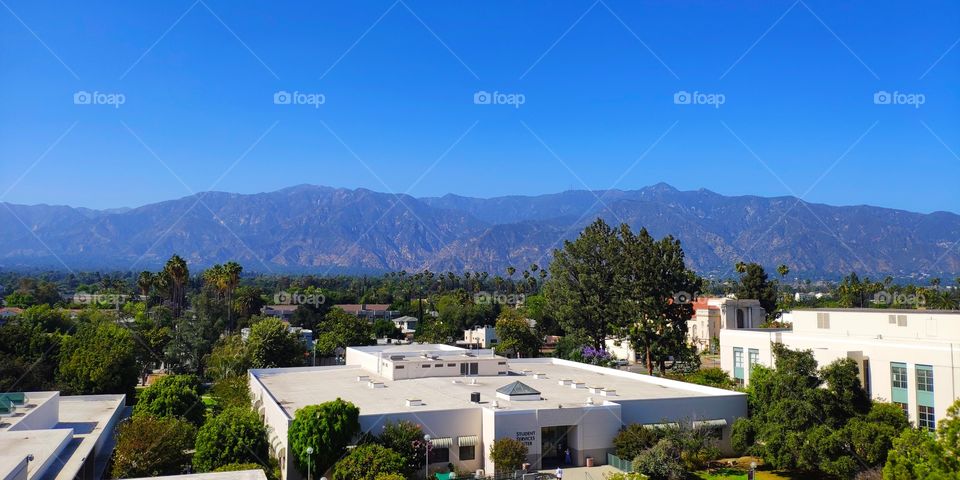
(319, 228)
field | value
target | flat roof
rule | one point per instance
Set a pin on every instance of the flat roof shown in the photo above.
(42, 444)
(295, 388)
(22, 413)
(90, 418)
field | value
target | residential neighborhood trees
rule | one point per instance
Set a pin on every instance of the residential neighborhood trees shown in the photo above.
(150, 446)
(172, 396)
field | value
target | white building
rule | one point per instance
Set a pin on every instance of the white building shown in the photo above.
(480, 337)
(909, 357)
(465, 401)
(406, 324)
(46, 436)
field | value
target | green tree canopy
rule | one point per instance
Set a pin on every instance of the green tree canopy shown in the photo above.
(236, 435)
(814, 420)
(99, 358)
(754, 284)
(172, 396)
(271, 345)
(918, 454)
(508, 454)
(515, 336)
(368, 462)
(150, 446)
(339, 329)
(327, 428)
(583, 290)
(400, 438)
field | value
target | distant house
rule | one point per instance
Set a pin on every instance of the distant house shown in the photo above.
(283, 312)
(710, 316)
(406, 324)
(10, 312)
(370, 311)
(479, 337)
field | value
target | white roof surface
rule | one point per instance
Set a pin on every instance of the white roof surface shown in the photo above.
(295, 388)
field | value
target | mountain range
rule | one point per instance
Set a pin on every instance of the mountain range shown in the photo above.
(322, 229)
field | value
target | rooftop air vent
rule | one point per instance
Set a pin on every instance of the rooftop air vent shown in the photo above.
(363, 378)
(414, 402)
(375, 385)
(540, 375)
(565, 381)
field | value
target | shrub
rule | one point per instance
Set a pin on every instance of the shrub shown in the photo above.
(236, 435)
(400, 437)
(508, 454)
(150, 446)
(328, 429)
(367, 462)
(661, 462)
(633, 439)
(172, 396)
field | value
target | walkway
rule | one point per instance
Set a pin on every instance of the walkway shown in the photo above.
(585, 473)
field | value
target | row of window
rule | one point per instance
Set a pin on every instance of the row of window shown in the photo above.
(899, 382)
(442, 455)
(898, 377)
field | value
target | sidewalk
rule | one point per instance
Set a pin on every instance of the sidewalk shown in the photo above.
(585, 473)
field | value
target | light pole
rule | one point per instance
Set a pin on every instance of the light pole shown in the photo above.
(426, 456)
(753, 470)
(309, 469)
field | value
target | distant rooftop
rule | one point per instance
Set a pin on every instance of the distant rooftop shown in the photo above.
(914, 311)
(238, 475)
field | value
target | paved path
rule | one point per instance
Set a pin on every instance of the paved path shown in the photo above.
(585, 473)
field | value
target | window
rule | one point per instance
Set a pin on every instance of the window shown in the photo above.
(823, 320)
(898, 375)
(924, 378)
(439, 365)
(468, 453)
(469, 368)
(892, 319)
(399, 367)
(926, 418)
(440, 455)
(904, 407)
(901, 320)
(426, 365)
(451, 364)
(753, 358)
(737, 357)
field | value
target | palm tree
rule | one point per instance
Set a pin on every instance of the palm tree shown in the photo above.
(232, 271)
(144, 283)
(178, 274)
(741, 267)
(783, 270)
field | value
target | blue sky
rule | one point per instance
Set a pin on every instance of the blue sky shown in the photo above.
(398, 79)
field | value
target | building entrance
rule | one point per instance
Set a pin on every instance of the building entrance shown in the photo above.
(554, 446)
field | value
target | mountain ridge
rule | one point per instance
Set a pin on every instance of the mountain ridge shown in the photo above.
(319, 228)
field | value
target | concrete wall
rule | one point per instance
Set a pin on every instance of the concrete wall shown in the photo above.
(278, 425)
(43, 415)
(920, 324)
(438, 424)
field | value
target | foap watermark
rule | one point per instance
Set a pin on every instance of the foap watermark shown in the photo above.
(893, 298)
(99, 298)
(294, 298)
(684, 97)
(684, 298)
(484, 97)
(487, 298)
(283, 97)
(883, 97)
(114, 99)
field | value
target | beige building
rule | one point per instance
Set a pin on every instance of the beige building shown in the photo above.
(465, 401)
(909, 357)
(710, 316)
